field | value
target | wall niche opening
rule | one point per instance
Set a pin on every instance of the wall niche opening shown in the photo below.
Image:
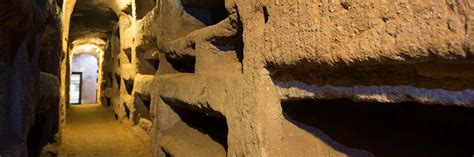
(154, 62)
(389, 129)
(209, 12)
(143, 103)
(128, 86)
(149, 63)
(205, 131)
(215, 127)
(143, 7)
(185, 64)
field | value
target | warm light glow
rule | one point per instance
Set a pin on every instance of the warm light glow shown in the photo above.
(91, 48)
(86, 48)
(122, 3)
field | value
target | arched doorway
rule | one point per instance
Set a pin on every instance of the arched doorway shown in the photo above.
(83, 87)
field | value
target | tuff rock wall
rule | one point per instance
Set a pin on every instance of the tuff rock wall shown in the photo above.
(256, 77)
(29, 65)
(278, 78)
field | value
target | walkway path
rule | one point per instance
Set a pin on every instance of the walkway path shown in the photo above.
(91, 130)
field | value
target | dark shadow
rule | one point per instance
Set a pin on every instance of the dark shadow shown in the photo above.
(215, 127)
(265, 14)
(127, 111)
(167, 154)
(128, 54)
(118, 80)
(129, 86)
(206, 12)
(398, 129)
(107, 101)
(154, 62)
(185, 64)
(143, 7)
(143, 103)
(145, 99)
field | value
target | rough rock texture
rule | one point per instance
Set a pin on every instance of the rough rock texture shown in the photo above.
(48, 100)
(209, 78)
(29, 49)
(256, 77)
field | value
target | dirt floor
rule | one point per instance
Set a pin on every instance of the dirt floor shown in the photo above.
(91, 130)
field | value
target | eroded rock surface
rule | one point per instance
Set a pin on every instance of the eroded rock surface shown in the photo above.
(250, 78)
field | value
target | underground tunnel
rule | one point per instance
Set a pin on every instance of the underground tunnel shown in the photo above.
(159, 78)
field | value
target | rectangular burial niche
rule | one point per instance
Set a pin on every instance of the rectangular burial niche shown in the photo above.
(429, 75)
(185, 64)
(145, 100)
(388, 129)
(143, 103)
(209, 12)
(212, 124)
(148, 63)
(154, 62)
(231, 44)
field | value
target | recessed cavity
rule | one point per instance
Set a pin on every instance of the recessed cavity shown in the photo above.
(215, 127)
(389, 129)
(128, 54)
(185, 64)
(129, 86)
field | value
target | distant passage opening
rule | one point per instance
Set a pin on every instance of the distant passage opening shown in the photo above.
(87, 66)
(396, 129)
(75, 88)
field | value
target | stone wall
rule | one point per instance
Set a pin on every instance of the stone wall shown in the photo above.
(261, 77)
(29, 63)
(231, 75)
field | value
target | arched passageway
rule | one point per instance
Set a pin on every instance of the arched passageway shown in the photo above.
(85, 71)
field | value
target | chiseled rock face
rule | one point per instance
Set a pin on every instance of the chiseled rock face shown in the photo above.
(213, 75)
(264, 53)
(366, 32)
(22, 24)
(20, 105)
(49, 94)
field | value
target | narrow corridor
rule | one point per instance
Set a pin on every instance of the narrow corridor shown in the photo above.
(91, 130)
